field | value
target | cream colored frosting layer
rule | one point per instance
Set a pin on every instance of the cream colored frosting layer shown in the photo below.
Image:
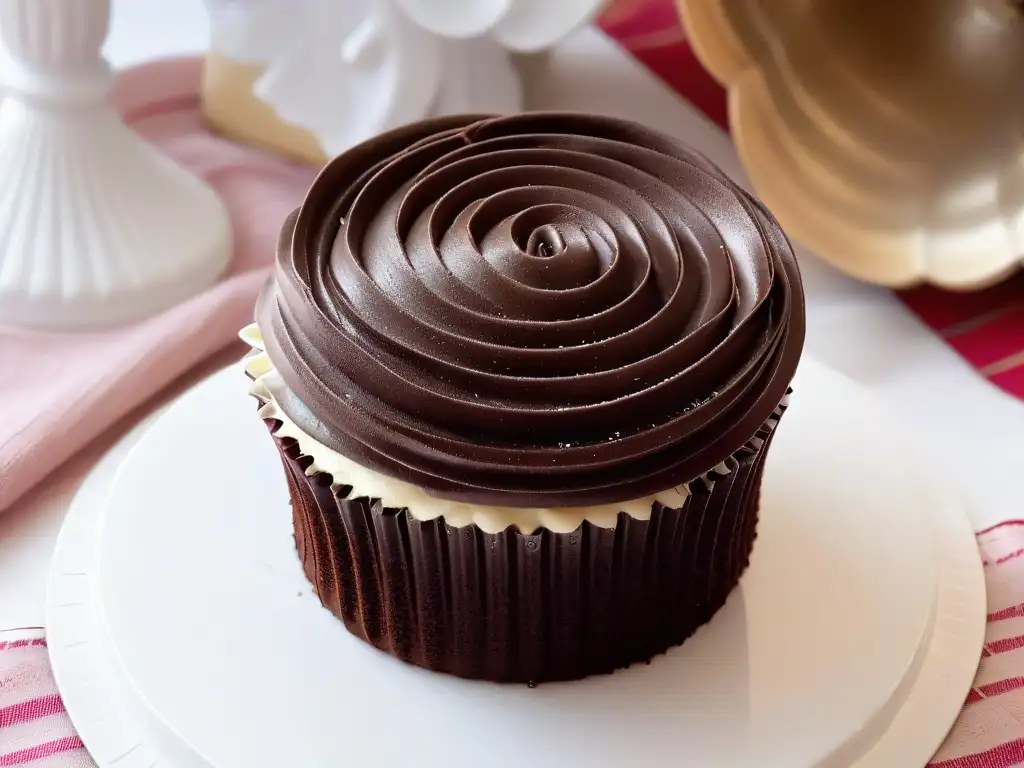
(421, 505)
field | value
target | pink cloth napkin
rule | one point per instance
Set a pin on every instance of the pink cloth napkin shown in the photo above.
(988, 734)
(59, 391)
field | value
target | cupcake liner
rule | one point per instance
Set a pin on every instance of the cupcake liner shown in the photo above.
(515, 607)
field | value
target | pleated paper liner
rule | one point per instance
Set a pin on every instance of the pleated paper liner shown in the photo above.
(528, 608)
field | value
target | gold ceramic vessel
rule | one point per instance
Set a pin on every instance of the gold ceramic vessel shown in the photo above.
(886, 135)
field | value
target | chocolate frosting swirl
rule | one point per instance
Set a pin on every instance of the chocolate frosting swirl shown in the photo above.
(539, 310)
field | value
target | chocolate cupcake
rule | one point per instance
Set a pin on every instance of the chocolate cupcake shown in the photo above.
(523, 373)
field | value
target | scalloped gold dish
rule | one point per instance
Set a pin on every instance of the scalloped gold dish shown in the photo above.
(886, 136)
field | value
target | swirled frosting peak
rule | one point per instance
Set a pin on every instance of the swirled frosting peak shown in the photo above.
(538, 310)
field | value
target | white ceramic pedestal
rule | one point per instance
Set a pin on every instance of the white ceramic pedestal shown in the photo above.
(183, 633)
(96, 226)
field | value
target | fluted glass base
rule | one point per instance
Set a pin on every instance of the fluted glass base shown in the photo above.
(97, 228)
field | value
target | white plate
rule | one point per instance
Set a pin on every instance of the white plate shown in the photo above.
(853, 639)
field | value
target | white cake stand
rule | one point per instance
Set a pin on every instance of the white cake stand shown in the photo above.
(183, 632)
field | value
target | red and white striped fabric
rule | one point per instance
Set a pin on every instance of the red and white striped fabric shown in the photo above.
(35, 730)
(990, 731)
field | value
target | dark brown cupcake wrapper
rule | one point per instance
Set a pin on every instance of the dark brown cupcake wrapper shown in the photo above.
(535, 607)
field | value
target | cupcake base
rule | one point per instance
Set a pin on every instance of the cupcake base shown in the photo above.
(514, 607)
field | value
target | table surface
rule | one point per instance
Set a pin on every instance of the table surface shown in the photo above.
(971, 430)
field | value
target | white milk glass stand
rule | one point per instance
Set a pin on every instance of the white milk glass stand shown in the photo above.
(97, 228)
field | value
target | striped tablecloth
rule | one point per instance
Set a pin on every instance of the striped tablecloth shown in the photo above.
(34, 728)
(986, 327)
